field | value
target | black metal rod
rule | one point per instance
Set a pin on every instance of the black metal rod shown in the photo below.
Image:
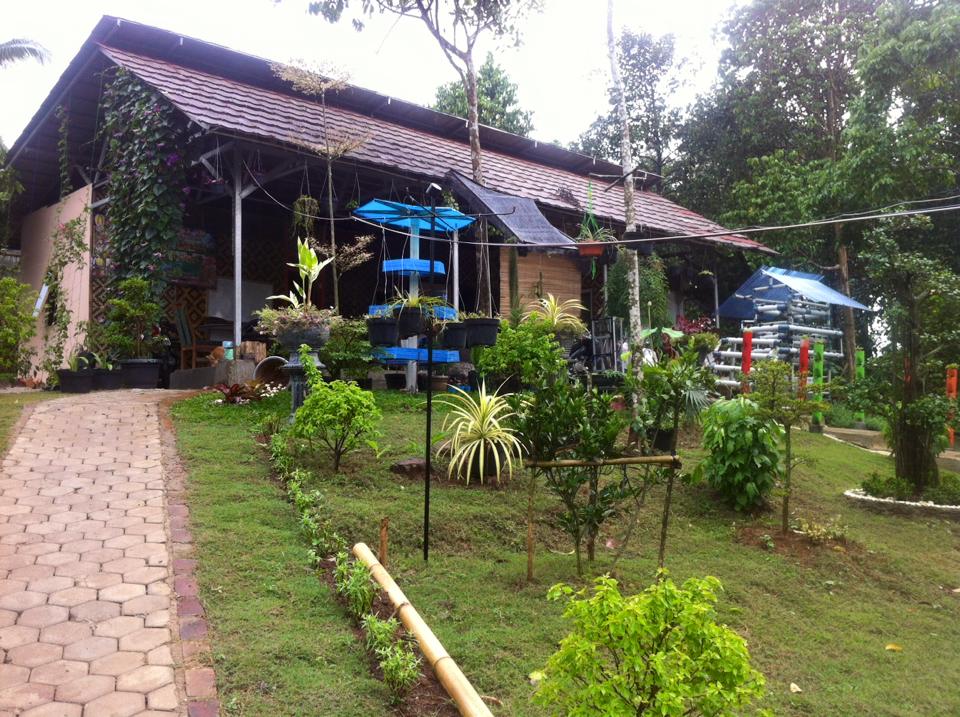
(430, 335)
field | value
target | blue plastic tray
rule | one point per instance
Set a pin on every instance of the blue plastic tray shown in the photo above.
(405, 267)
(404, 354)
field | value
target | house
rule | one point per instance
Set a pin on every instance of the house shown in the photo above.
(252, 154)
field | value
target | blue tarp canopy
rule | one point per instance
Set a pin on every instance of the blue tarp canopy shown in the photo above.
(771, 284)
(409, 216)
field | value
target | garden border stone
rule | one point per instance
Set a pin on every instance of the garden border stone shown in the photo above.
(902, 507)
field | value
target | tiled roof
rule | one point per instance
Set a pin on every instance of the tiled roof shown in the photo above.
(218, 102)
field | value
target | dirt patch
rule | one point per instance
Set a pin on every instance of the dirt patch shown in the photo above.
(427, 698)
(794, 544)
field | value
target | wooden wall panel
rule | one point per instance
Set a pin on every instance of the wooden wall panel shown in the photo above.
(551, 273)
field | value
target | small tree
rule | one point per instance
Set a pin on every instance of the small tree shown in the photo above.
(774, 394)
(338, 415)
(660, 652)
(16, 329)
(131, 317)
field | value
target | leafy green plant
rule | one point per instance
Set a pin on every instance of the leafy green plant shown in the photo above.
(146, 159)
(355, 585)
(558, 316)
(743, 452)
(16, 329)
(660, 652)
(523, 354)
(767, 542)
(131, 317)
(309, 266)
(401, 670)
(338, 416)
(819, 533)
(379, 633)
(78, 362)
(480, 435)
(347, 353)
(69, 243)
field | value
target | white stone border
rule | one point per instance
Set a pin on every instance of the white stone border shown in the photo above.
(907, 507)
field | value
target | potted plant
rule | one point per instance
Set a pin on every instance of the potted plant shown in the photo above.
(592, 237)
(300, 322)
(704, 344)
(382, 330)
(454, 335)
(131, 318)
(106, 377)
(480, 441)
(77, 377)
(481, 330)
(413, 312)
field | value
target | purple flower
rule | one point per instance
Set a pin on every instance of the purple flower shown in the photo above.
(172, 159)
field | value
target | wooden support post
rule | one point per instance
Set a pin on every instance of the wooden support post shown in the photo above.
(384, 528)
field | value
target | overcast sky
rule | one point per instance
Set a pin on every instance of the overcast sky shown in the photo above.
(561, 68)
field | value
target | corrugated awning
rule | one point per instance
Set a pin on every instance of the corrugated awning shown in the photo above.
(771, 283)
(517, 217)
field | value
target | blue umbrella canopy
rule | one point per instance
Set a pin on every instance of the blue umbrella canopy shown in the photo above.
(410, 216)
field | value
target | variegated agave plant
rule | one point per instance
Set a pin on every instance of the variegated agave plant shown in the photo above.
(561, 316)
(479, 434)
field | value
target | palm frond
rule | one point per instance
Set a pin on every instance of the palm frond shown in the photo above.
(22, 49)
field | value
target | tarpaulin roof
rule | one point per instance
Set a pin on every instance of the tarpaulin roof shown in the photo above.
(410, 216)
(515, 216)
(771, 283)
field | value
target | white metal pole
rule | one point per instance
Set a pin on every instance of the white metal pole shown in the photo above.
(455, 268)
(237, 251)
(414, 292)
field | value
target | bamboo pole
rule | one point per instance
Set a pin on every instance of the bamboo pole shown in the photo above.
(448, 673)
(672, 461)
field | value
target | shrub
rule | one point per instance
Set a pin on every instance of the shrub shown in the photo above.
(355, 584)
(524, 353)
(947, 493)
(131, 318)
(840, 416)
(887, 487)
(743, 459)
(16, 329)
(337, 415)
(661, 652)
(348, 354)
(379, 633)
(401, 670)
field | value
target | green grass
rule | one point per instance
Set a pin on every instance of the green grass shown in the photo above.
(11, 406)
(821, 623)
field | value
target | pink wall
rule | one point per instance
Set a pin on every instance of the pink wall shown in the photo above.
(36, 242)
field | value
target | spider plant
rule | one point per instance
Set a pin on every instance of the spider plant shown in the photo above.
(418, 301)
(560, 316)
(479, 434)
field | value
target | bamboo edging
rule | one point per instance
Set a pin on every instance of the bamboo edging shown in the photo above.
(672, 461)
(448, 673)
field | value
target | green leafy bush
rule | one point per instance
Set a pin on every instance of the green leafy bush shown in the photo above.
(660, 652)
(947, 493)
(338, 416)
(887, 486)
(401, 670)
(348, 354)
(131, 317)
(379, 633)
(524, 353)
(355, 584)
(16, 328)
(743, 459)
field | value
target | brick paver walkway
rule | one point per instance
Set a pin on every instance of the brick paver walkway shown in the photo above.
(85, 590)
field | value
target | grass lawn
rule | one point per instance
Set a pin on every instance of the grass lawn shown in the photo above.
(11, 405)
(284, 647)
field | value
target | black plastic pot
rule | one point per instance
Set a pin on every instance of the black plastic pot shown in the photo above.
(75, 381)
(454, 335)
(409, 321)
(395, 381)
(382, 331)
(106, 380)
(482, 332)
(140, 373)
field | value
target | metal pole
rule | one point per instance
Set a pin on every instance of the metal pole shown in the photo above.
(430, 335)
(455, 268)
(414, 292)
(237, 250)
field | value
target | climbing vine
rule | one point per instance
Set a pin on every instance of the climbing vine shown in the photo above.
(63, 151)
(145, 142)
(69, 245)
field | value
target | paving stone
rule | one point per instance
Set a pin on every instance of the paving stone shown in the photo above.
(122, 592)
(11, 675)
(145, 604)
(90, 649)
(119, 626)
(115, 704)
(98, 581)
(23, 697)
(23, 600)
(163, 698)
(117, 663)
(16, 635)
(145, 679)
(159, 618)
(145, 639)
(87, 688)
(43, 616)
(34, 654)
(54, 709)
(50, 584)
(145, 576)
(65, 633)
(201, 682)
(95, 611)
(58, 672)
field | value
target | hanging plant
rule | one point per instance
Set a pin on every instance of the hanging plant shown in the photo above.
(306, 209)
(145, 142)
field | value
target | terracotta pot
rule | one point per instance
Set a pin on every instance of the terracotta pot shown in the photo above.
(590, 248)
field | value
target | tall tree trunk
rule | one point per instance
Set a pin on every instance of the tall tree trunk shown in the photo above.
(849, 325)
(476, 162)
(626, 163)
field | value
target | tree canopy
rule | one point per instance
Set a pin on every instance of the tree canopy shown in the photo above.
(498, 104)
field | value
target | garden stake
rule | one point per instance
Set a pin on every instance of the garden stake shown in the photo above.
(430, 336)
(382, 553)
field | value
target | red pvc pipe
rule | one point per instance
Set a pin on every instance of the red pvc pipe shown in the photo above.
(952, 395)
(746, 358)
(804, 368)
